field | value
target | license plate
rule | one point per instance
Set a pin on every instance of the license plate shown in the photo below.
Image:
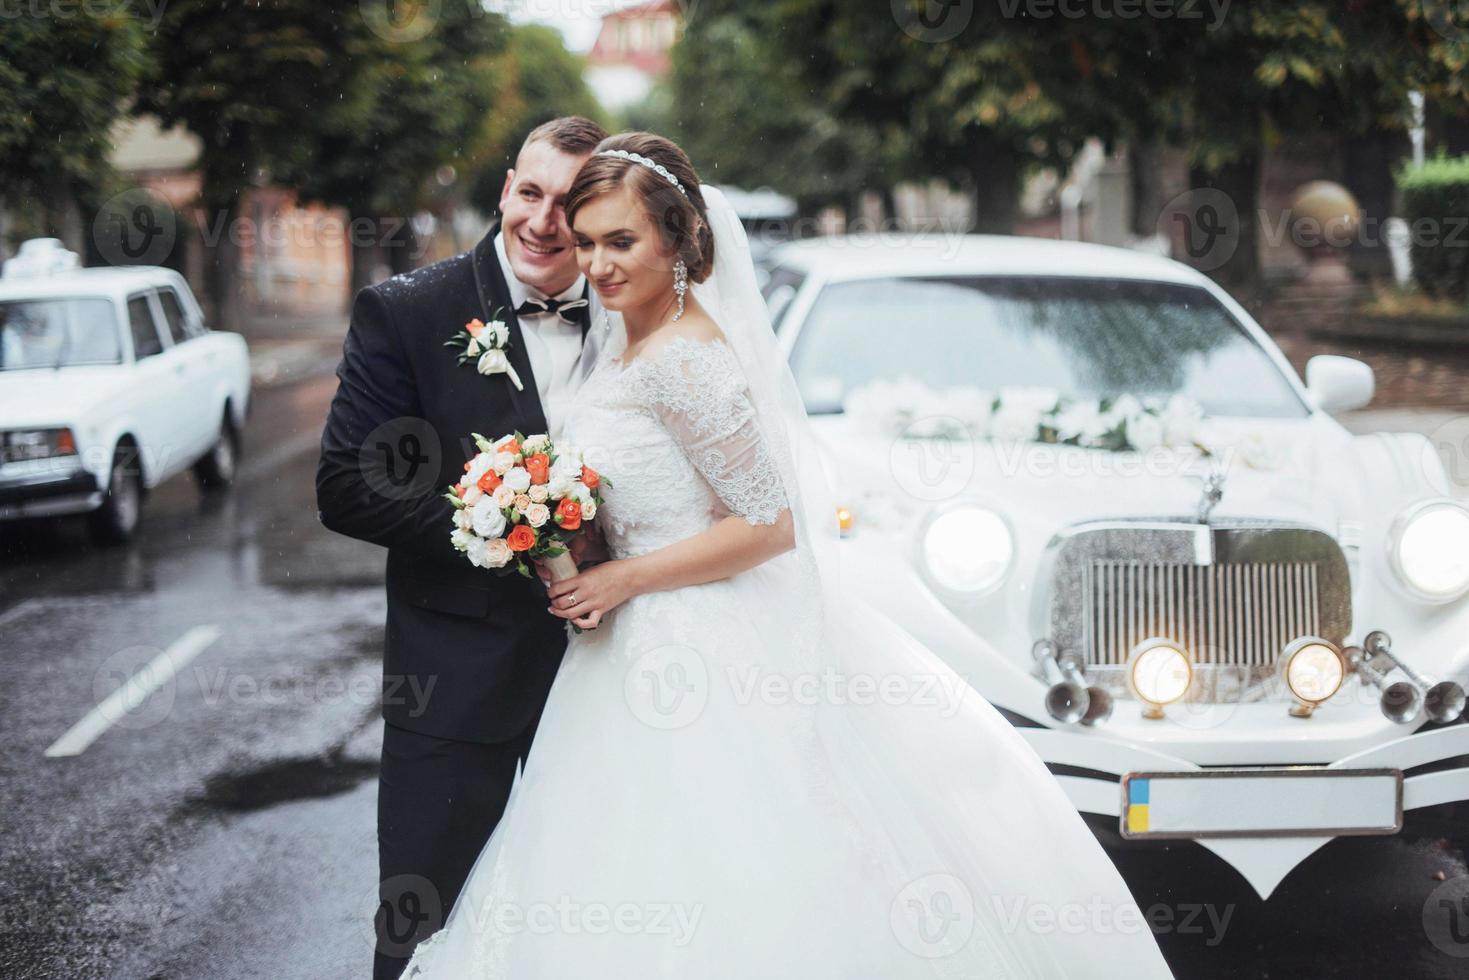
(1286, 801)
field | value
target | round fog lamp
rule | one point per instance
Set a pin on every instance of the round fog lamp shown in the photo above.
(1313, 670)
(1159, 673)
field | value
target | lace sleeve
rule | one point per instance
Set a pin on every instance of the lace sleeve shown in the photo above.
(696, 389)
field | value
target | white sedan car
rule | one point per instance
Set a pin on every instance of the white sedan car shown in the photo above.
(110, 383)
(1094, 485)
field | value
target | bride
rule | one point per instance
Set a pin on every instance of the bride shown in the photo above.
(739, 773)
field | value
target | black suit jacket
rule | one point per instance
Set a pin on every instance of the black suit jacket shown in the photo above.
(469, 655)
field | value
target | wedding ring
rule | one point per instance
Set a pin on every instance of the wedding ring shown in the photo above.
(571, 599)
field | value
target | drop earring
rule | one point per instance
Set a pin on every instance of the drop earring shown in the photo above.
(680, 285)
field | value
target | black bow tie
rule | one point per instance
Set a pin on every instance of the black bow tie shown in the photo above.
(573, 311)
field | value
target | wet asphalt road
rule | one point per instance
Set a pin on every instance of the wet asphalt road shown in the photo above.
(225, 828)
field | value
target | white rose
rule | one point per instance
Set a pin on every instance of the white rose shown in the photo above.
(492, 362)
(488, 522)
(474, 550)
(504, 496)
(472, 348)
(460, 538)
(580, 493)
(497, 332)
(1181, 420)
(589, 509)
(502, 463)
(522, 501)
(537, 514)
(518, 479)
(538, 494)
(568, 464)
(536, 442)
(1015, 423)
(1123, 407)
(497, 553)
(1082, 419)
(478, 467)
(471, 496)
(1144, 432)
(559, 486)
(464, 518)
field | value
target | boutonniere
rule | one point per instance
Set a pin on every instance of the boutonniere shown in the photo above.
(483, 345)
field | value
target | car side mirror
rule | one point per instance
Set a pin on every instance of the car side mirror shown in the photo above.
(1339, 384)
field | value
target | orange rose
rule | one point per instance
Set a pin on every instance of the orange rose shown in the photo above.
(568, 514)
(590, 478)
(489, 481)
(539, 465)
(521, 538)
(474, 327)
(509, 446)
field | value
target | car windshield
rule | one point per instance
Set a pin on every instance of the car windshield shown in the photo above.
(44, 333)
(1085, 338)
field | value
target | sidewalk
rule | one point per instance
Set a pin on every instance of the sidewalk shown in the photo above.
(285, 349)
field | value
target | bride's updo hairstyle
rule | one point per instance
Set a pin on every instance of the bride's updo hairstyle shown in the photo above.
(682, 218)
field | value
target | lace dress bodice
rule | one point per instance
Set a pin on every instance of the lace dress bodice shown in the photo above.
(675, 434)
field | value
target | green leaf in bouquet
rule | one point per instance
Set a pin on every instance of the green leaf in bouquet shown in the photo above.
(484, 444)
(521, 568)
(556, 552)
(454, 499)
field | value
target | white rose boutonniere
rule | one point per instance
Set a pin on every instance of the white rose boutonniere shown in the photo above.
(483, 345)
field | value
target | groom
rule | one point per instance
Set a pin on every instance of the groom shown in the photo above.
(470, 656)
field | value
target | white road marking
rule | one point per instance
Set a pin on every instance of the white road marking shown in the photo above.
(134, 691)
(25, 606)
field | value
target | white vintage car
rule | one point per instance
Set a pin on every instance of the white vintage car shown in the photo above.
(1215, 613)
(110, 383)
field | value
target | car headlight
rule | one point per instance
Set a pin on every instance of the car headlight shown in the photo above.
(17, 445)
(1313, 670)
(1159, 673)
(967, 550)
(1429, 549)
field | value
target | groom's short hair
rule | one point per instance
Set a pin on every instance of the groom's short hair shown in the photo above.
(573, 135)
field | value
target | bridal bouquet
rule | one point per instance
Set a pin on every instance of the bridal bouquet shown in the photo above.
(523, 499)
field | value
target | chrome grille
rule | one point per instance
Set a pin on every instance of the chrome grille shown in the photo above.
(1236, 614)
(1232, 592)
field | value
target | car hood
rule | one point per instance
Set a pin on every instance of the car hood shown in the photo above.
(1287, 470)
(48, 397)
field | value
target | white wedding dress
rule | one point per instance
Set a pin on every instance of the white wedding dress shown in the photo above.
(696, 806)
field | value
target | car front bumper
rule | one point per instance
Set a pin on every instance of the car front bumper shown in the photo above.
(44, 489)
(1433, 762)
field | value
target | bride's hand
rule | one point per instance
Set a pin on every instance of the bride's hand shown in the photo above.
(591, 594)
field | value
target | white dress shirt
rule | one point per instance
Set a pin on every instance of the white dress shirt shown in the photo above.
(553, 345)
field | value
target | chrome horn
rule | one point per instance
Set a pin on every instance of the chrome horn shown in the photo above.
(1069, 700)
(1442, 702)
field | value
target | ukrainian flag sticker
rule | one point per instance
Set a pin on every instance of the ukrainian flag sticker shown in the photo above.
(1137, 805)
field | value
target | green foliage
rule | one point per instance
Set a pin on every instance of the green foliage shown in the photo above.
(1436, 207)
(413, 106)
(253, 81)
(748, 113)
(64, 81)
(536, 80)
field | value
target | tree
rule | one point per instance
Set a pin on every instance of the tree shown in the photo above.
(252, 81)
(537, 80)
(64, 82)
(422, 104)
(747, 114)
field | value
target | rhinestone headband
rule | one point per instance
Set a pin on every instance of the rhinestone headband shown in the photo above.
(658, 168)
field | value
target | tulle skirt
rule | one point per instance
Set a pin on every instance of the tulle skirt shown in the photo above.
(693, 807)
